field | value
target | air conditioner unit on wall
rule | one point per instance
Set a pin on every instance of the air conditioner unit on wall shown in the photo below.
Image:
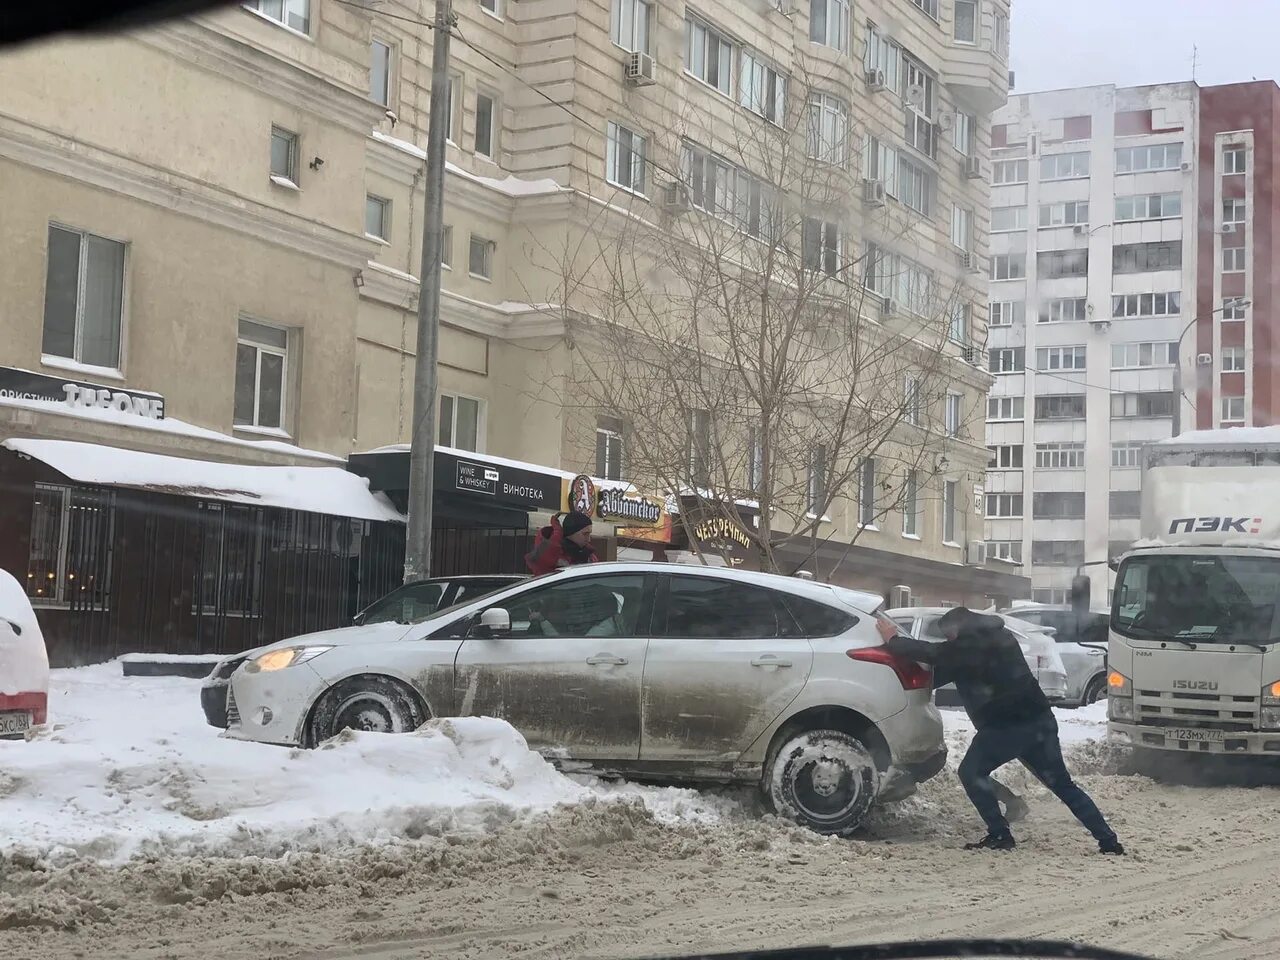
(873, 193)
(899, 596)
(639, 69)
(875, 79)
(675, 197)
(1204, 359)
(973, 168)
(970, 354)
(965, 259)
(975, 555)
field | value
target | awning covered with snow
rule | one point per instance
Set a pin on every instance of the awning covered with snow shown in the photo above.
(326, 490)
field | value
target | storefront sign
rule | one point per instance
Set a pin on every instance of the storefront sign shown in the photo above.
(16, 384)
(582, 495)
(632, 510)
(719, 530)
(503, 483)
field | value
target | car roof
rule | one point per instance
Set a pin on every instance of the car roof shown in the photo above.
(1023, 625)
(462, 577)
(863, 600)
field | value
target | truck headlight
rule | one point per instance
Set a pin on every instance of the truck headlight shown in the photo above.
(1270, 718)
(1119, 696)
(284, 657)
(1118, 685)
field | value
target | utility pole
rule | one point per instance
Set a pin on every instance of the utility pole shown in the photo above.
(417, 550)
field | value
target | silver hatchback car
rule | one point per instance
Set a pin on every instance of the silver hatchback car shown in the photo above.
(651, 671)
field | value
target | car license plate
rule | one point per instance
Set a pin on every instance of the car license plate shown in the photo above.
(14, 723)
(1195, 736)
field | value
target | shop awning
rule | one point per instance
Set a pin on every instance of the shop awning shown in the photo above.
(327, 490)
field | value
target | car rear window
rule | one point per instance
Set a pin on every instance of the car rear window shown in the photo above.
(817, 619)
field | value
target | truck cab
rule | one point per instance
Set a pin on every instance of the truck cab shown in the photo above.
(1194, 638)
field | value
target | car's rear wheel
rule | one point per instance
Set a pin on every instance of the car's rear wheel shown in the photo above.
(825, 780)
(1095, 690)
(374, 704)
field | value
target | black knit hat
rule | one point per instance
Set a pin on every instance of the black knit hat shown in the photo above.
(574, 522)
(956, 618)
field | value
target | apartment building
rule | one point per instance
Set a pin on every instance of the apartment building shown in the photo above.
(1123, 219)
(230, 226)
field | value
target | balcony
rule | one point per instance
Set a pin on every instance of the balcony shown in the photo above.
(977, 76)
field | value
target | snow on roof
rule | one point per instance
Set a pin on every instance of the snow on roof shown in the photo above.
(601, 484)
(1225, 436)
(509, 185)
(328, 490)
(166, 425)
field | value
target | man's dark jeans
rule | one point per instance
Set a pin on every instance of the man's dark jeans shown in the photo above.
(1036, 745)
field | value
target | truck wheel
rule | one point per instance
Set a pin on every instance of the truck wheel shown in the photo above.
(825, 780)
(1095, 690)
(375, 704)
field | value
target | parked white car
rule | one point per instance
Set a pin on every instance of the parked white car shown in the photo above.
(647, 670)
(24, 663)
(1081, 643)
(1038, 648)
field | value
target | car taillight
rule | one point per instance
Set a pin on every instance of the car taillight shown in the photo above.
(912, 675)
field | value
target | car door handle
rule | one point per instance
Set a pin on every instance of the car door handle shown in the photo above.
(607, 658)
(769, 660)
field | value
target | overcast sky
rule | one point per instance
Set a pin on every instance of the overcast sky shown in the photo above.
(1076, 43)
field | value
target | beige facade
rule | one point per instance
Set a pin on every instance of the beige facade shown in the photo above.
(172, 156)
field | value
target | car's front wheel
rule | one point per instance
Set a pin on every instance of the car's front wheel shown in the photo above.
(1095, 690)
(825, 780)
(374, 704)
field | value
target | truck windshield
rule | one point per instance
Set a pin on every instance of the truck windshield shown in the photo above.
(1201, 599)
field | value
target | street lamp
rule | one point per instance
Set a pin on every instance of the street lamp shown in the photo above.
(1231, 303)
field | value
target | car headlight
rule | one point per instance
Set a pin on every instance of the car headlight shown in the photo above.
(284, 657)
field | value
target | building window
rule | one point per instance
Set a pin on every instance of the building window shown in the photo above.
(1007, 457)
(1005, 408)
(953, 414)
(1233, 360)
(928, 6)
(962, 133)
(1149, 206)
(1163, 156)
(820, 246)
(1002, 35)
(1060, 358)
(1125, 504)
(1057, 506)
(262, 361)
(453, 91)
(632, 25)
(1064, 310)
(446, 246)
(1057, 553)
(710, 180)
(625, 159)
(921, 102)
(1064, 166)
(961, 227)
(1061, 407)
(958, 322)
(911, 505)
(480, 258)
(460, 422)
(1233, 308)
(1146, 304)
(1233, 214)
(1127, 406)
(1131, 356)
(817, 487)
(829, 23)
(492, 6)
(1233, 260)
(1051, 597)
(1009, 266)
(1005, 219)
(380, 72)
(228, 577)
(949, 497)
(1010, 551)
(699, 448)
(1009, 171)
(1056, 264)
(377, 217)
(69, 557)
(867, 492)
(1126, 455)
(762, 88)
(916, 186)
(708, 55)
(1006, 505)
(83, 298)
(911, 400)
(1071, 213)
(1233, 158)
(284, 157)
(609, 448)
(1060, 456)
(1144, 257)
(486, 125)
(1006, 359)
(294, 14)
(883, 54)
(965, 26)
(1233, 409)
(828, 128)
(1005, 313)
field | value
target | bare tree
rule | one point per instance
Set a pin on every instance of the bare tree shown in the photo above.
(753, 353)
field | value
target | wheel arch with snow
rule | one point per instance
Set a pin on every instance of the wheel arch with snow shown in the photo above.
(370, 701)
(823, 768)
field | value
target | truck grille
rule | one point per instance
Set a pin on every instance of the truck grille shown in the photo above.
(1166, 709)
(233, 712)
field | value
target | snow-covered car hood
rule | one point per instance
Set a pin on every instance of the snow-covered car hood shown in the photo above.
(340, 637)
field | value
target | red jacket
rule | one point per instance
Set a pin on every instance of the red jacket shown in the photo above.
(550, 551)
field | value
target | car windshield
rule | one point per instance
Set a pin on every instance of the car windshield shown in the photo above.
(411, 603)
(1199, 598)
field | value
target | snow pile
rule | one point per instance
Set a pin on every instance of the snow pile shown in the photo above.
(24, 663)
(130, 768)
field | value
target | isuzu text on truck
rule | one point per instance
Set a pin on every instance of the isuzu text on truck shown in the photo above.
(1194, 645)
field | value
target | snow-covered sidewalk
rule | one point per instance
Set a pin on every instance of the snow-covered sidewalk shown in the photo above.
(129, 767)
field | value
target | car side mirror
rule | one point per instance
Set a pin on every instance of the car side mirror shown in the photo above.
(494, 622)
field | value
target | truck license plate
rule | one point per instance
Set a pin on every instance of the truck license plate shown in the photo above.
(1195, 736)
(15, 723)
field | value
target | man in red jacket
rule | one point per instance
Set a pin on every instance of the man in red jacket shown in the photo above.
(563, 544)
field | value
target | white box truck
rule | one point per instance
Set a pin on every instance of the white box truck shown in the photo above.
(1194, 642)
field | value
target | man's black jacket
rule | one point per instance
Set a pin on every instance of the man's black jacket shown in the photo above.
(986, 664)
